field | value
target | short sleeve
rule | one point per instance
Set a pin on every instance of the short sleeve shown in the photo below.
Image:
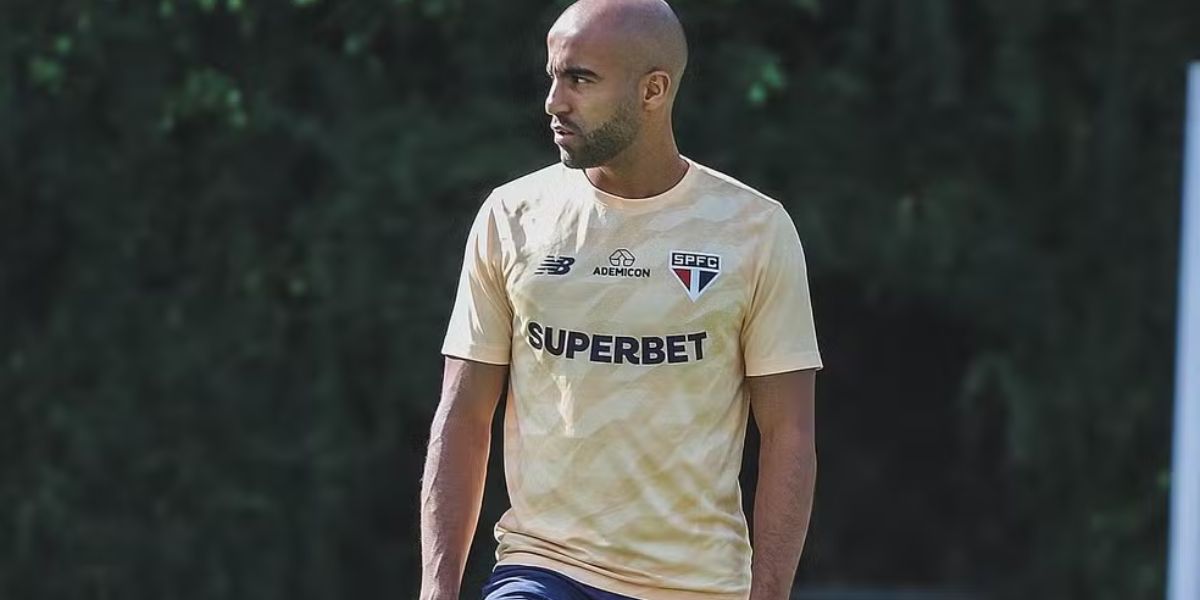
(480, 326)
(778, 333)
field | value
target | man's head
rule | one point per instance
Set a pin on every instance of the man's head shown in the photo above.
(615, 66)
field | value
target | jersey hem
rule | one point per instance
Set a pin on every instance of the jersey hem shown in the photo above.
(484, 354)
(794, 362)
(616, 586)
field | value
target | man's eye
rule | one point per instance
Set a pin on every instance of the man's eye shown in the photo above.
(578, 79)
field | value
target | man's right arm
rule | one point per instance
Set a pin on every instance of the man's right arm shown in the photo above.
(455, 470)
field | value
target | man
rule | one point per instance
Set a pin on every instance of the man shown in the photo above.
(639, 305)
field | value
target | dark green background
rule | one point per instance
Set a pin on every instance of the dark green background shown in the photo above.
(230, 231)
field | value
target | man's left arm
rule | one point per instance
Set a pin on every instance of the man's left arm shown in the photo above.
(787, 470)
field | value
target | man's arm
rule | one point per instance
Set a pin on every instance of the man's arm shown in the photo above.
(455, 469)
(787, 471)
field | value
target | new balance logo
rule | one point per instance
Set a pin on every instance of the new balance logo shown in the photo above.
(555, 265)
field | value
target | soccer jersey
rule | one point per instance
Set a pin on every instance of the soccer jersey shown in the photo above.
(629, 327)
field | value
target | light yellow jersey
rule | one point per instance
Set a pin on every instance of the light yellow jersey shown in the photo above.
(629, 327)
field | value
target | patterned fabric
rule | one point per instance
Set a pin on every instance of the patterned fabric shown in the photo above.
(629, 327)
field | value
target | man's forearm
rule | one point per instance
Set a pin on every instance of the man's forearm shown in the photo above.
(451, 493)
(787, 470)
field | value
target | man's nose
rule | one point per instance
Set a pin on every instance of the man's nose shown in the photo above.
(555, 103)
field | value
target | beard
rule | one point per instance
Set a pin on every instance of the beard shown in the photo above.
(600, 145)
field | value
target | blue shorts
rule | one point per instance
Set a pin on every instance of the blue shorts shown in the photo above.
(518, 582)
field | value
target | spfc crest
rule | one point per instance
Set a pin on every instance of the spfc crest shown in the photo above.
(695, 271)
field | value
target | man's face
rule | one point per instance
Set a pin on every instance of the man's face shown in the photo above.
(592, 102)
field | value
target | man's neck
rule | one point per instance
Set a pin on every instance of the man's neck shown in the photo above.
(640, 172)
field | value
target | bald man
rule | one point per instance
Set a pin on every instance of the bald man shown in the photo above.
(640, 307)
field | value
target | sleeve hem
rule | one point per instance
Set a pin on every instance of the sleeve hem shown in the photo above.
(491, 355)
(793, 362)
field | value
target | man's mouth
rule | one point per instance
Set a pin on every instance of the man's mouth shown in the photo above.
(561, 130)
(561, 136)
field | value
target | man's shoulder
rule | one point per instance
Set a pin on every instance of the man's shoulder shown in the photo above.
(728, 188)
(531, 185)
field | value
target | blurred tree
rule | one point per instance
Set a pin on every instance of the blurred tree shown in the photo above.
(229, 232)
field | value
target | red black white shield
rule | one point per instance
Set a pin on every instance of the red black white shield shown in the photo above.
(695, 271)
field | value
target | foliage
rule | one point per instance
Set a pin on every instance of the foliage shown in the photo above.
(229, 232)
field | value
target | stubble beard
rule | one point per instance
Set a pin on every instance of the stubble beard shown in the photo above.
(605, 142)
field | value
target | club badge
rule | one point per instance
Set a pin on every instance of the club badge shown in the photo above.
(695, 271)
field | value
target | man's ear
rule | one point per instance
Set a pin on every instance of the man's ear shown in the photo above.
(656, 89)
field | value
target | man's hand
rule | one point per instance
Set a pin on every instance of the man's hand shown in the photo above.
(787, 471)
(455, 470)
